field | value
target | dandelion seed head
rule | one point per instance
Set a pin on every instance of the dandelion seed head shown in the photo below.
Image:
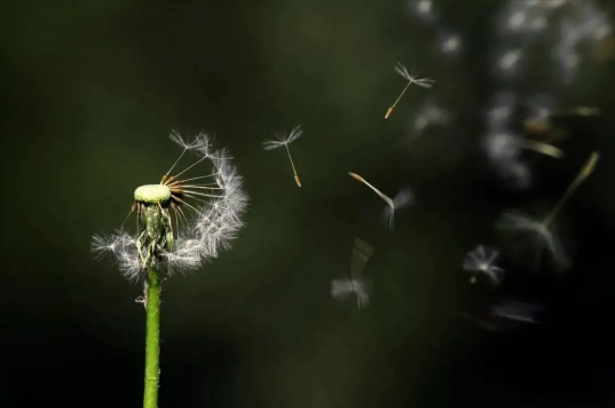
(205, 218)
(153, 193)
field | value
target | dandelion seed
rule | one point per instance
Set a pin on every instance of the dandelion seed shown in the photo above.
(504, 145)
(541, 147)
(505, 148)
(361, 253)
(294, 134)
(403, 199)
(481, 260)
(583, 111)
(506, 315)
(541, 230)
(482, 323)
(509, 61)
(537, 128)
(540, 237)
(450, 43)
(586, 111)
(516, 311)
(430, 114)
(517, 19)
(342, 288)
(540, 123)
(423, 82)
(501, 111)
(585, 172)
(424, 6)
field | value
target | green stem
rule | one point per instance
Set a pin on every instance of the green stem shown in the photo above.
(152, 340)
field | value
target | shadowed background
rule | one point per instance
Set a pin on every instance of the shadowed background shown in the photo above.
(89, 92)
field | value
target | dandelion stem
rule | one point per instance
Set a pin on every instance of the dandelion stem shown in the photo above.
(152, 340)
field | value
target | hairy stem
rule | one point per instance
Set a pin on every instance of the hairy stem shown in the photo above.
(152, 340)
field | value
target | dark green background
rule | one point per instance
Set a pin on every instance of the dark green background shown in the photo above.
(89, 92)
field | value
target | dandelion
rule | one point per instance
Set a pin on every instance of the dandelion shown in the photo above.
(181, 223)
(541, 230)
(403, 199)
(423, 82)
(294, 134)
(481, 260)
(342, 288)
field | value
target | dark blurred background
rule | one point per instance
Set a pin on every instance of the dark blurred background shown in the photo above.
(88, 94)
